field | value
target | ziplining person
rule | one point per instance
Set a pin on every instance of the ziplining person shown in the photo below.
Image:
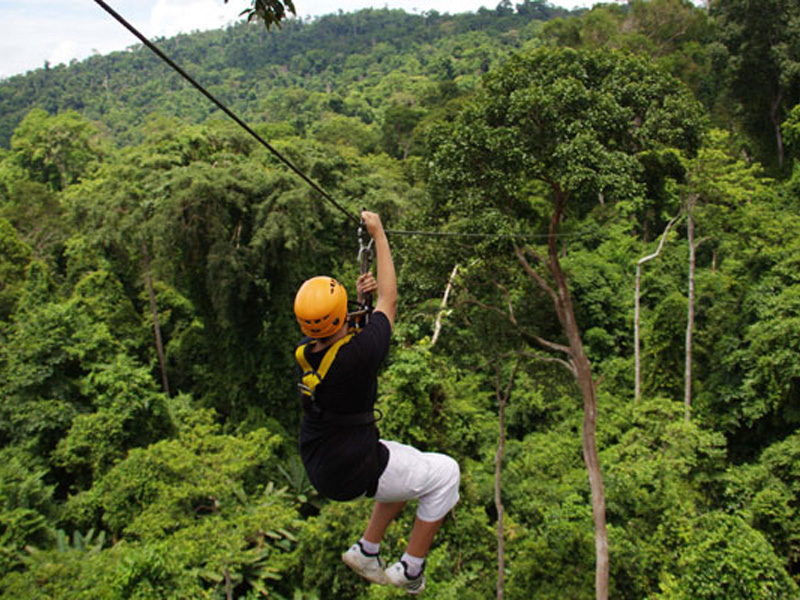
(339, 442)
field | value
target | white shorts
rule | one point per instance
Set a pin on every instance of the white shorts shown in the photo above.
(431, 477)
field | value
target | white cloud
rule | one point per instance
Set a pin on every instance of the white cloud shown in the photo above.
(45, 30)
(169, 17)
(64, 51)
(58, 33)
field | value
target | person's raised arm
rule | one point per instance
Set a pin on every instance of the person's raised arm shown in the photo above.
(387, 279)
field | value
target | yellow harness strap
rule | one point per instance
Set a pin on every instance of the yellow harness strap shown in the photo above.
(311, 378)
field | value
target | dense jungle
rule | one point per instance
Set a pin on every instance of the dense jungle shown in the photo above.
(595, 219)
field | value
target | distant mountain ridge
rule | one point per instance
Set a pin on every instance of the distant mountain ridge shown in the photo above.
(245, 62)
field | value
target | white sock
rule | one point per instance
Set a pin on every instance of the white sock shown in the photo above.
(414, 564)
(370, 548)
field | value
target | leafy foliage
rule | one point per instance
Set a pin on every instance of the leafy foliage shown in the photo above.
(114, 172)
(271, 12)
(725, 557)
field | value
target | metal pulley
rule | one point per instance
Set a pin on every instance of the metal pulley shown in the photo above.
(365, 255)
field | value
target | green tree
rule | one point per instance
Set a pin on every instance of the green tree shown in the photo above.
(14, 257)
(164, 504)
(346, 131)
(766, 493)
(399, 121)
(762, 40)
(746, 298)
(711, 199)
(723, 557)
(676, 34)
(56, 150)
(553, 132)
(661, 472)
(37, 214)
(128, 413)
(76, 394)
(26, 506)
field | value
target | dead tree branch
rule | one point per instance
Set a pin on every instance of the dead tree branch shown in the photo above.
(540, 281)
(437, 328)
(637, 309)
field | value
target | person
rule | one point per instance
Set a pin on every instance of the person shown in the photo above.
(339, 441)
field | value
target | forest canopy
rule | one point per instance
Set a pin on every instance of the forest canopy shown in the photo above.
(594, 217)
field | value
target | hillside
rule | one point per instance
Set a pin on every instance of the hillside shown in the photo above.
(342, 58)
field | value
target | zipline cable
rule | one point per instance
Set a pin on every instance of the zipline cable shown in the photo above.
(226, 110)
(499, 236)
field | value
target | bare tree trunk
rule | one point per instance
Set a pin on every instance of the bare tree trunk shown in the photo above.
(503, 396)
(498, 502)
(156, 328)
(498, 498)
(437, 328)
(637, 310)
(776, 123)
(581, 367)
(592, 460)
(637, 358)
(228, 585)
(583, 373)
(687, 381)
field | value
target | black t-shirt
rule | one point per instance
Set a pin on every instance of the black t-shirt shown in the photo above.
(344, 462)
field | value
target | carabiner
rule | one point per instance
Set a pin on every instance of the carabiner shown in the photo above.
(364, 250)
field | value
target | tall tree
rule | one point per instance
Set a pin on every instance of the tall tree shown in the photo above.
(746, 378)
(56, 150)
(14, 257)
(763, 39)
(553, 133)
(503, 395)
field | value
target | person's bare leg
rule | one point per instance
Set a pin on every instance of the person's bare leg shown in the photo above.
(383, 513)
(422, 536)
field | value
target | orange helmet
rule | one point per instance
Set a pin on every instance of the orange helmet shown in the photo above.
(321, 307)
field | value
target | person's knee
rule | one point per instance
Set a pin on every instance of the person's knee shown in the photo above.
(444, 488)
(454, 471)
(451, 479)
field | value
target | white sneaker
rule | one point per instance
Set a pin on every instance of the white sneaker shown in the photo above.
(369, 566)
(397, 575)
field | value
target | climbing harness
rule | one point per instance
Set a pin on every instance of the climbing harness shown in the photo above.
(312, 378)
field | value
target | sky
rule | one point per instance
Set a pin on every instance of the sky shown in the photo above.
(58, 31)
